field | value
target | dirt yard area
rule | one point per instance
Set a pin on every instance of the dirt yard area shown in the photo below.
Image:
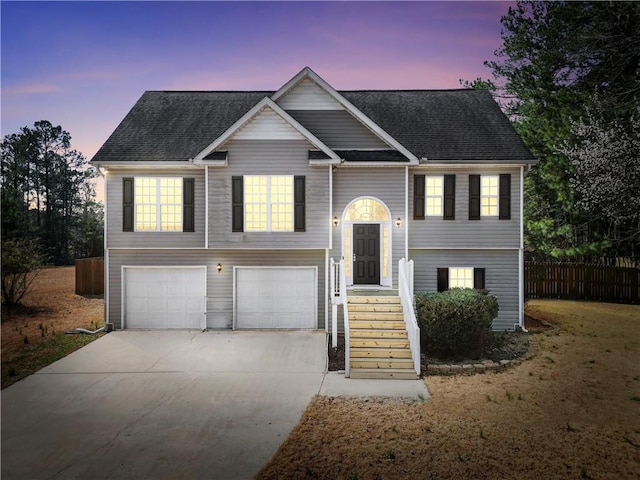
(34, 334)
(572, 411)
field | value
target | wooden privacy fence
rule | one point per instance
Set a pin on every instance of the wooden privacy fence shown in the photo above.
(582, 282)
(90, 276)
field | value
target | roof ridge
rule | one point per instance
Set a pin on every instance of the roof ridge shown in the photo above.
(417, 90)
(270, 92)
(267, 92)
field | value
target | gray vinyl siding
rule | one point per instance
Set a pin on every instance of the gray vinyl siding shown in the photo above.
(488, 232)
(384, 184)
(116, 238)
(219, 285)
(501, 276)
(338, 129)
(260, 157)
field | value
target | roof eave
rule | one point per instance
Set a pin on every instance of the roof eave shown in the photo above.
(146, 164)
(471, 162)
(409, 163)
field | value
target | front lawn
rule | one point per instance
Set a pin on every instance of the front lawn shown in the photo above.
(33, 336)
(572, 411)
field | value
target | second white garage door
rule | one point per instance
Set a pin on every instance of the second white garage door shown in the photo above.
(276, 297)
(164, 297)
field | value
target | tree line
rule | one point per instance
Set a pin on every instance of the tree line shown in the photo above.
(568, 76)
(48, 196)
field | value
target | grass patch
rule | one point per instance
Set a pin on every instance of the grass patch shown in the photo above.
(34, 357)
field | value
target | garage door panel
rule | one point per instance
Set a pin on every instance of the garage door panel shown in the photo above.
(163, 298)
(276, 297)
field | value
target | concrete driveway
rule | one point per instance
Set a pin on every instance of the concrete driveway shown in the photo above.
(162, 405)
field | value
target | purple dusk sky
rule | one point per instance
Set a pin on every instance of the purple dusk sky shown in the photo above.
(82, 65)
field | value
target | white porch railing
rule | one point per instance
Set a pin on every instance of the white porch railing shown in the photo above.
(405, 291)
(339, 297)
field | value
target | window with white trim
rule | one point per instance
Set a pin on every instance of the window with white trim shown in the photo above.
(268, 203)
(434, 193)
(489, 195)
(158, 204)
(460, 277)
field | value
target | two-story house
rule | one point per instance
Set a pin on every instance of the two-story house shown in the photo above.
(225, 209)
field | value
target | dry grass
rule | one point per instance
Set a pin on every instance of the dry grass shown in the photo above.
(573, 411)
(33, 335)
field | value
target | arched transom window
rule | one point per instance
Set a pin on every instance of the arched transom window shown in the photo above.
(366, 210)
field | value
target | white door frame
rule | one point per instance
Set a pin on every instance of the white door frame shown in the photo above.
(347, 226)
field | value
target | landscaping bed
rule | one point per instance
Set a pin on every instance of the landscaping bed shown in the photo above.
(506, 348)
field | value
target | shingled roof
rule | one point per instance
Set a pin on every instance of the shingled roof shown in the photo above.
(444, 125)
(439, 125)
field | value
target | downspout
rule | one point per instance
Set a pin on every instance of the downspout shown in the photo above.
(327, 270)
(107, 326)
(206, 206)
(406, 213)
(521, 256)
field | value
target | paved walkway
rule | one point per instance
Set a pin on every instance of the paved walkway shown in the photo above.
(156, 405)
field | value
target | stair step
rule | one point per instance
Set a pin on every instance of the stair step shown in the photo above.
(376, 333)
(376, 316)
(397, 363)
(379, 343)
(387, 353)
(373, 300)
(375, 307)
(395, 374)
(374, 323)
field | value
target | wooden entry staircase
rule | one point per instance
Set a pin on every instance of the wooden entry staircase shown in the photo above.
(378, 343)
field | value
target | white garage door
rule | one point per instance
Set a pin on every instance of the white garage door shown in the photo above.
(162, 298)
(277, 297)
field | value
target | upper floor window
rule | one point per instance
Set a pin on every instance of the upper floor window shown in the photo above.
(489, 195)
(434, 196)
(268, 203)
(434, 192)
(158, 204)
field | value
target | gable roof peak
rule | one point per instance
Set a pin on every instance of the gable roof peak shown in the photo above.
(307, 72)
(265, 103)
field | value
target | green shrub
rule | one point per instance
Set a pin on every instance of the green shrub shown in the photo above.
(456, 323)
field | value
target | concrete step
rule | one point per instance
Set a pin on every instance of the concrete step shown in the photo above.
(379, 343)
(397, 363)
(373, 300)
(393, 374)
(376, 333)
(375, 323)
(387, 353)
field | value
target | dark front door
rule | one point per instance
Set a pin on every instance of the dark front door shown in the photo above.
(366, 254)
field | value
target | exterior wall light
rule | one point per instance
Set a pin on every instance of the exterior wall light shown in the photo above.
(398, 222)
(335, 221)
(219, 268)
